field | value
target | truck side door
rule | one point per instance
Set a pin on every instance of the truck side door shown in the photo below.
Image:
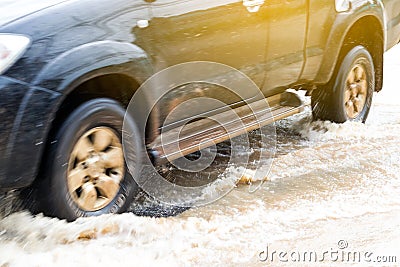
(287, 23)
(222, 31)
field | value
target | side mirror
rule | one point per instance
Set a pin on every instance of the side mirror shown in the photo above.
(343, 5)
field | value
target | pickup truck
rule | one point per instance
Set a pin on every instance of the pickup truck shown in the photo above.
(69, 69)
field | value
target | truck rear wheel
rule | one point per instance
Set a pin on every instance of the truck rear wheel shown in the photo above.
(348, 96)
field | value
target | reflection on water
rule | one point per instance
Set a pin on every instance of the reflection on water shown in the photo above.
(328, 183)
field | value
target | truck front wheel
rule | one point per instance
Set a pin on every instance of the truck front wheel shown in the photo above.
(348, 96)
(85, 172)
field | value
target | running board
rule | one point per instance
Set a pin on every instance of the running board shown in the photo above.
(203, 133)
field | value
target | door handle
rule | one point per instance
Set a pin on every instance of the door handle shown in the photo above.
(253, 5)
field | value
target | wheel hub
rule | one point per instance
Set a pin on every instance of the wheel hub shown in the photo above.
(96, 168)
(356, 91)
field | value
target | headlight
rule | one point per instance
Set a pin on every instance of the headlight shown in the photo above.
(12, 47)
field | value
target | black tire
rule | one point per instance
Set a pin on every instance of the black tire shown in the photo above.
(56, 198)
(330, 102)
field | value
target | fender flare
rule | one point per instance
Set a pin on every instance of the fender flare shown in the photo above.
(91, 60)
(341, 27)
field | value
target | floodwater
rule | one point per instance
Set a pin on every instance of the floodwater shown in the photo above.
(332, 196)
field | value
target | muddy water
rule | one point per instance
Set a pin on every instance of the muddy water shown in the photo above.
(332, 188)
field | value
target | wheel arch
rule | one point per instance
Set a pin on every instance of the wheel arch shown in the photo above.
(117, 86)
(368, 32)
(365, 28)
(116, 74)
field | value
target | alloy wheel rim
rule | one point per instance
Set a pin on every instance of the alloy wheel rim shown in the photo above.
(356, 92)
(96, 168)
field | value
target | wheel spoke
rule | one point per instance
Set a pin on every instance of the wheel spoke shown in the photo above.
(358, 105)
(114, 158)
(363, 87)
(359, 72)
(88, 196)
(352, 77)
(347, 95)
(350, 108)
(83, 148)
(76, 178)
(101, 140)
(107, 186)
